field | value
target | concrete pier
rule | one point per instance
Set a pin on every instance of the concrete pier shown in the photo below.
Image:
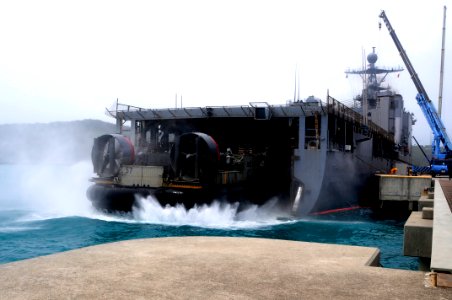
(402, 190)
(402, 187)
(428, 234)
(212, 268)
(417, 236)
(442, 228)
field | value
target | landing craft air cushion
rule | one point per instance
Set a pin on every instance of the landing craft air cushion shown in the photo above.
(311, 155)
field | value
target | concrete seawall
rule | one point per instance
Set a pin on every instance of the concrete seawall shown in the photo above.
(214, 268)
(427, 233)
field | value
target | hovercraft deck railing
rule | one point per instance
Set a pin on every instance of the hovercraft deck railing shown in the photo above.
(296, 109)
(128, 112)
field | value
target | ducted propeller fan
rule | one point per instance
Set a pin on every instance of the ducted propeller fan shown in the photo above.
(109, 152)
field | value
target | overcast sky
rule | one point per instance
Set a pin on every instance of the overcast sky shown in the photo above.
(68, 60)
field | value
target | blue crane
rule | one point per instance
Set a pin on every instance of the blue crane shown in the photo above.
(441, 161)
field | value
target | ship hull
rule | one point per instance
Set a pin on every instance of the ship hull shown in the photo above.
(348, 182)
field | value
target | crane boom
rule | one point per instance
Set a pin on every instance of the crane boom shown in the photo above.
(417, 82)
(427, 107)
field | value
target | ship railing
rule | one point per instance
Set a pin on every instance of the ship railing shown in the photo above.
(340, 110)
(120, 107)
(332, 106)
(129, 112)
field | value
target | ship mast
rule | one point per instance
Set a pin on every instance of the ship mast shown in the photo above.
(365, 92)
(441, 73)
(372, 83)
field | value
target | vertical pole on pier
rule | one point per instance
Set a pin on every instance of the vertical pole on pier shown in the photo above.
(441, 72)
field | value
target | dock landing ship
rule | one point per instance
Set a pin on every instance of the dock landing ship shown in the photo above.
(311, 155)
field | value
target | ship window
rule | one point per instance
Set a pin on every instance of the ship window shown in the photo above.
(393, 104)
(138, 127)
(312, 132)
(261, 113)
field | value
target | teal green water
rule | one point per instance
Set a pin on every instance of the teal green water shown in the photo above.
(38, 217)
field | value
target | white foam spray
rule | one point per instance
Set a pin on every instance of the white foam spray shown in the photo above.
(214, 215)
(46, 191)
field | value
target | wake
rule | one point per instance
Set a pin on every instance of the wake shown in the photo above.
(219, 215)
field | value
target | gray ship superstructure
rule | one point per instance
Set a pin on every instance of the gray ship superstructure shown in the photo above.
(311, 155)
(383, 106)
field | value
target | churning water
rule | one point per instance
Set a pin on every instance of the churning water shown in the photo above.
(44, 210)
